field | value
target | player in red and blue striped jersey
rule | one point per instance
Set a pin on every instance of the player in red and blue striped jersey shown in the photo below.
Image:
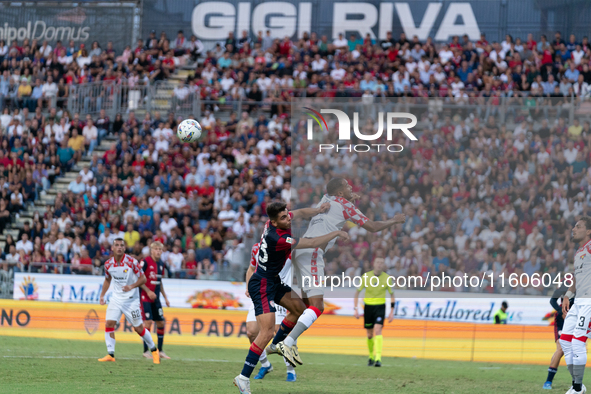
(265, 286)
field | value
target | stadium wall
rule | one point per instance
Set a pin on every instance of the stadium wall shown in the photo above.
(212, 20)
(83, 22)
(206, 294)
(331, 334)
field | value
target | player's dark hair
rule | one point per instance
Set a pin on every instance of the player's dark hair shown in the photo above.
(119, 239)
(587, 221)
(335, 185)
(505, 305)
(275, 208)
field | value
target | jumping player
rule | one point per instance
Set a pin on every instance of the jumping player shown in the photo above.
(150, 295)
(265, 287)
(252, 328)
(309, 262)
(574, 332)
(374, 310)
(558, 324)
(126, 274)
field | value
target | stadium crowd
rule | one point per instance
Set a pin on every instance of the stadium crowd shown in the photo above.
(480, 195)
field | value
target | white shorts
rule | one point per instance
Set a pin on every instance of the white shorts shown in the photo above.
(279, 315)
(577, 321)
(309, 265)
(131, 309)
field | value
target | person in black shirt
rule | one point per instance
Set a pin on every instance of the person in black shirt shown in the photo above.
(544, 131)
(403, 40)
(388, 42)
(558, 323)
(26, 230)
(231, 41)
(557, 40)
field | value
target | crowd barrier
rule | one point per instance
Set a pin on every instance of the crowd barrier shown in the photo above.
(209, 294)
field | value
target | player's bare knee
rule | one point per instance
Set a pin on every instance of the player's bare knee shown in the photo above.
(139, 328)
(317, 303)
(298, 309)
(110, 323)
(370, 334)
(251, 335)
(377, 329)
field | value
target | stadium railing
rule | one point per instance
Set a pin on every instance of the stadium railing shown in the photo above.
(6, 283)
(484, 106)
(219, 273)
(113, 97)
(122, 97)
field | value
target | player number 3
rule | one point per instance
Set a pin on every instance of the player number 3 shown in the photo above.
(263, 255)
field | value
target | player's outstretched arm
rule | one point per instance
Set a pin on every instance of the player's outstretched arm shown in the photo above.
(310, 243)
(306, 213)
(374, 227)
(106, 285)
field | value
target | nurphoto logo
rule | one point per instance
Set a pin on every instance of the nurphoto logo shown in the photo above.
(344, 125)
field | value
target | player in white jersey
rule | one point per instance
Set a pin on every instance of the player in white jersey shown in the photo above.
(577, 321)
(126, 276)
(309, 263)
(252, 327)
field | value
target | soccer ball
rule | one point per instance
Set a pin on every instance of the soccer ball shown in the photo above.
(189, 130)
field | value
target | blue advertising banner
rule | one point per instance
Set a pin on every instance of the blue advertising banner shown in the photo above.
(211, 21)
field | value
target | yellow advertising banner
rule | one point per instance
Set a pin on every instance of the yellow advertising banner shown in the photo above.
(330, 334)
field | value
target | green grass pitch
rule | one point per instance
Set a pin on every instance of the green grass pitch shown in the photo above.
(31, 365)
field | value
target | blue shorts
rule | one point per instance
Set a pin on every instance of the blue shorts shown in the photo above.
(266, 293)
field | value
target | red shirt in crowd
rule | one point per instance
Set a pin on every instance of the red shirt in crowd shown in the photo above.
(206, 191)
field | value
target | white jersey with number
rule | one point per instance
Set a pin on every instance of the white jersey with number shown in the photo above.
(285, 274)
(341, 211)
(583, 274)
(123, 273)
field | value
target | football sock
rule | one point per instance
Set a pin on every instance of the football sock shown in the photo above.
(147, 337)
(110, 341)
(370, 342)
(160, 332)
(579, 351)
(263, 359)
(284, 329)
(551, 373)
(290, 368)
(379, 342)
(304, 322)
(251, 360)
